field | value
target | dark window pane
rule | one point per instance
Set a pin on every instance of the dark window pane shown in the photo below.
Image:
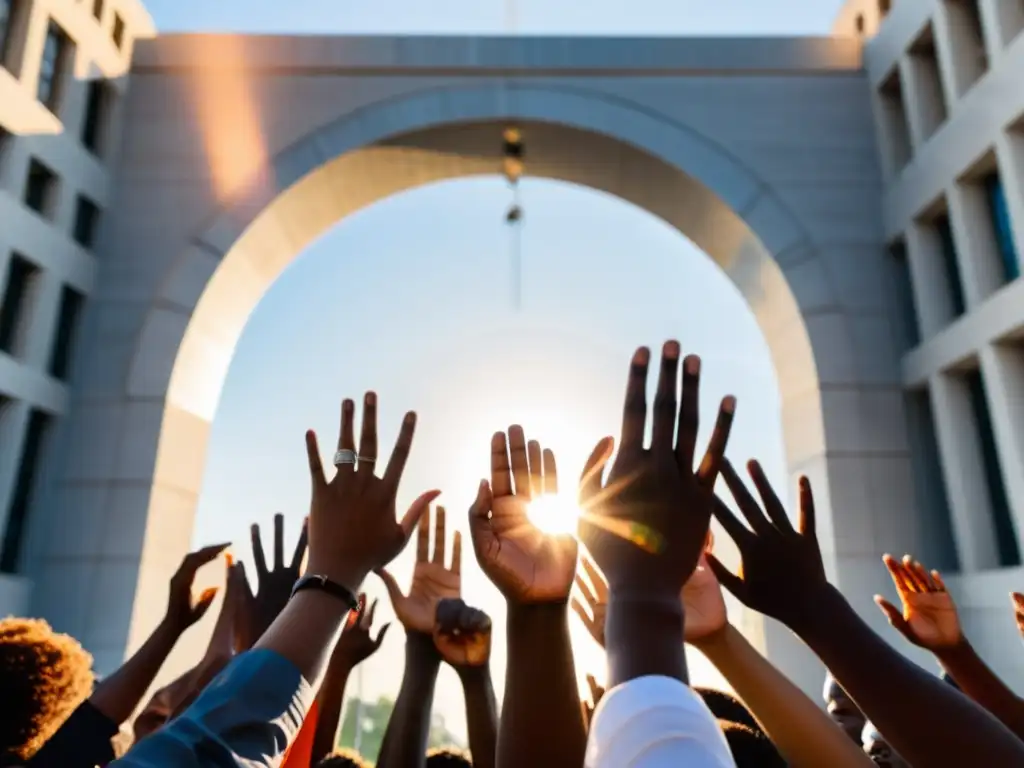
(930, 489)
(1002, 519)
(910, 330)
(6, 19)
(1001, 224)
(948, 248)
(40, 188)
(87, 219)
(67, 319)
(48, 88)
(24, 485)
(96, 105)
(97, 9)
(118, 33)
(20, 276)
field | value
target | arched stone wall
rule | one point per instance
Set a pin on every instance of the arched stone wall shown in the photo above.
(807, 257)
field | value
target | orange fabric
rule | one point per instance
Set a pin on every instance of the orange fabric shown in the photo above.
(300, 753)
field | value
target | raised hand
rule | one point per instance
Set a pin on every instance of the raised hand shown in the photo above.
(356, 645)
(596, 694)
(929, 617)
(525, 564)
(596, 595)
(703, 605)
(462, 635)
(182, 610)
(646, 525)
(352, 525)
(274, 587)
(782, 573)
(431, 580)
(1018, 610)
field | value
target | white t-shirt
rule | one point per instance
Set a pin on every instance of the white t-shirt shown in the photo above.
(655, 722)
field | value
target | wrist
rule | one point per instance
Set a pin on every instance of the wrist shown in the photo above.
(714, 641)
(471, 675)
(420, 649)
(169, 630)
(348, 575)
(955, 653)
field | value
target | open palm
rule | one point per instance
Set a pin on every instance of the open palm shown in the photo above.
(432, 582)
(703, 604)
(929, 618)
(525, 564)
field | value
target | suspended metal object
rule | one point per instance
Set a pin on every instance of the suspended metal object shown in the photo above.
(512, 165)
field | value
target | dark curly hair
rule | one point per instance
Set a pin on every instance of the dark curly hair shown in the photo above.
(750, 748)
(44, 676)
(343, 758)
(448, 757)
(725, 706)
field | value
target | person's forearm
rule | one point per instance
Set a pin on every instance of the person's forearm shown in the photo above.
(803, 733)
(305, 631)
(644, 636)
(922, 718)
(330, 700)
(118, 696)
(540, 720)
(405, 739)
(481, 715)
(979, 682)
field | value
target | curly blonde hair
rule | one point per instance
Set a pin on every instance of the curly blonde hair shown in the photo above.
(448, 757)
(44, 676)
(343, 757)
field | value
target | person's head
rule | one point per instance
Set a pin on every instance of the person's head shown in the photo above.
(725, 706)
(750, 748)
(44, 676)
(842, 709)
(448, 757)
(343, 758)
(879, 750)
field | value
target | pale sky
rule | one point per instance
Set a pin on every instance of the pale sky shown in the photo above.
(411, 297)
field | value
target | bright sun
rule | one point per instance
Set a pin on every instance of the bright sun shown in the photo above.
(554, 514)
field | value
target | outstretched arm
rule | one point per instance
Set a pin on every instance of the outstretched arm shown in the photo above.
(783, 577)
(354, 646)
(540, 718)
(929, 620)
(408, 731)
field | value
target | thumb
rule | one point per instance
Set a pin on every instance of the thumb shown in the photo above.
(380, 636)
(416, 510)
(479, 528)
(203, 603)
(895, 617)
(394, 591)
(727, 578)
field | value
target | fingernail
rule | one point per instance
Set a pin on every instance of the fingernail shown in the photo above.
(371, 398)
(671, 350)
(642, 356)
(692, 365)
(729, 404)
(410, 417)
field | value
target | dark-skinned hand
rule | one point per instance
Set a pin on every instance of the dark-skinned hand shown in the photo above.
(782, 574)
(929, 617)
(525, 564)
(182, 610)
(462, 635)
(645, 526)
(595, 594)
(431, 580)
(274, 587)
(352, 525)
(355, 644)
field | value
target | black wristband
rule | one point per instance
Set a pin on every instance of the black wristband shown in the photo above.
(333, 588)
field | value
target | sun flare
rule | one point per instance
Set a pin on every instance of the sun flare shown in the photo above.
(554, 514)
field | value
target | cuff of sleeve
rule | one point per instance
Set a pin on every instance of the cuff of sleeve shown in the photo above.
(654, 714)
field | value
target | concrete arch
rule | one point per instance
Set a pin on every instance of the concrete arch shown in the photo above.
(790, 264)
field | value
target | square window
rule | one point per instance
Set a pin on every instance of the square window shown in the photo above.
(71, 302)
(87, 220)
(25, 481)
(17, 303)
(41, 189)
(51, 68)
(99, 101)
(118, 32)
